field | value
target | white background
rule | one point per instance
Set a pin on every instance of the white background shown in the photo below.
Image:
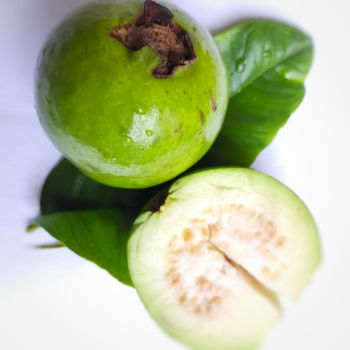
(55, 300)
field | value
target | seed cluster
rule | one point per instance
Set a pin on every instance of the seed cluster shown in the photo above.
(198, 255)
(246, 229)
(188, 256)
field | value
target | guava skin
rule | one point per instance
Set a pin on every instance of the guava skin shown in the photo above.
(104, 110)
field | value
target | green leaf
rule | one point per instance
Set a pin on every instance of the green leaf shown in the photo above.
(267, 62)
(53, 245)
(252, 48)
(66, 188)
(97, 235)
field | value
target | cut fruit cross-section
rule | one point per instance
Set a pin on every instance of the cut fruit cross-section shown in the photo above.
(211, 262)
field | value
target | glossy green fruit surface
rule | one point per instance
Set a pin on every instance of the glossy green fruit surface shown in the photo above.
(102, 107)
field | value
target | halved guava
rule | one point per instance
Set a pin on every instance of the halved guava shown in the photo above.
(212, 257)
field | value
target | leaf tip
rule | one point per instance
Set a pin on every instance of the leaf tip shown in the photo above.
(32, 227)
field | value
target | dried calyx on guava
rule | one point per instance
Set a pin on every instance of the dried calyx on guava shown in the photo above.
(131, 93)
(156, 29)
(212, 258)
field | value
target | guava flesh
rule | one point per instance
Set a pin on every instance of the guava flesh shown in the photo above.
(212, 259)
(111, 112)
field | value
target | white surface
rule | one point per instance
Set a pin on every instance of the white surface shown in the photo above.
(56, 300)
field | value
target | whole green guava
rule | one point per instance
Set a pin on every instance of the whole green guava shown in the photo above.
(133, 94)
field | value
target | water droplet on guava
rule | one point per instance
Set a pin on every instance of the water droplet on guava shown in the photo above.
(140, 110)
(149, 132)
(110, 160)
(128, 139)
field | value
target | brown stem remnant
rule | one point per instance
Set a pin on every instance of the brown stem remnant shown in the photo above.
(156, 29)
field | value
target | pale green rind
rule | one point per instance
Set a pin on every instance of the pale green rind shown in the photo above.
(103, 109)
(146, 247)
